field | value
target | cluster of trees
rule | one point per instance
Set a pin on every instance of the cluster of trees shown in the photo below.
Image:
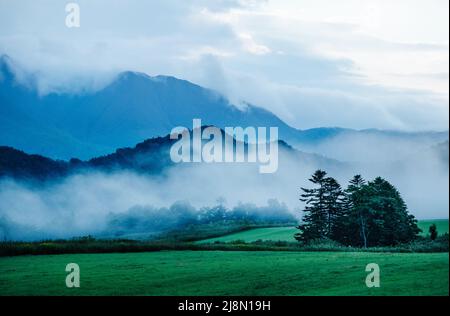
(364, 214)
(273, 213)
(148, 219)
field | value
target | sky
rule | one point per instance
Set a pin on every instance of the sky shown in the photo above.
(350, 63)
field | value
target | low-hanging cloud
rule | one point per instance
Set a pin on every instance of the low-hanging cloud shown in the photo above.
(314, 72)
(84, 203)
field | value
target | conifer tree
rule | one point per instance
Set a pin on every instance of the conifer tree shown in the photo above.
(366, 214)
(334, 202)
(357, 215)
(315, 218)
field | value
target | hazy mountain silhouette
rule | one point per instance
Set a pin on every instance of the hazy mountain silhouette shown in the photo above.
(151, 156)
(133, 107)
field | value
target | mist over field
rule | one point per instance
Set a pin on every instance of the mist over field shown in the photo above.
(86, 202)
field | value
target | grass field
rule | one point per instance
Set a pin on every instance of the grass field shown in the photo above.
(231, 272)
(441, 224)
(287, 233)
(226, 273)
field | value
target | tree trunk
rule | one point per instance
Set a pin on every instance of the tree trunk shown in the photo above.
(363, 231)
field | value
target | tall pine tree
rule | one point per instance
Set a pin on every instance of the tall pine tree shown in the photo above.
(323, 216)
(334, 202)
(315, 218)
(357, 216)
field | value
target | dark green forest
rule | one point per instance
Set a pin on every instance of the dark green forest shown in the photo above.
(365, 214)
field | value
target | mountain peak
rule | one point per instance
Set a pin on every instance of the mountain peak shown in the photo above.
(6, 72)
(131, 75)
(5, 59)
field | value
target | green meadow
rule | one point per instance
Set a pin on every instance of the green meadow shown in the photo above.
(213, 272)
(441, 225)
(287, 233)
(226, 273)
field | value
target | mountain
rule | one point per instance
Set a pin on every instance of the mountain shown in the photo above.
(133, 107)
(442, 151)
(151, 156)
(17, 164)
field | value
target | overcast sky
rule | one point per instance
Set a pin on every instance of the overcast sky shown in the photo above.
(350, 63)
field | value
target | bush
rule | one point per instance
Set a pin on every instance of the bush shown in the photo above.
(323, 244)
(90, 245)
(237, 242)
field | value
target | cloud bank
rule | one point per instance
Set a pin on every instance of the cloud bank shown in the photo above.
(359, 64)
(84, 203)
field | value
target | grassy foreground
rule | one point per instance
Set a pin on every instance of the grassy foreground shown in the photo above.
(226, 273)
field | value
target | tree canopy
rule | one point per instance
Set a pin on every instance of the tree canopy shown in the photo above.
(364, 214)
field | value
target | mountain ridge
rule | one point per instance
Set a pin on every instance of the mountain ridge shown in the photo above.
(151, 156)
(130, 109)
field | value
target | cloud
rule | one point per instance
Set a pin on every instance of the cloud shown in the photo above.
(83, 203)
(251, 46)
(355, 64)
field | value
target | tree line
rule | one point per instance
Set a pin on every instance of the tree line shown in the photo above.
(365, 214)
